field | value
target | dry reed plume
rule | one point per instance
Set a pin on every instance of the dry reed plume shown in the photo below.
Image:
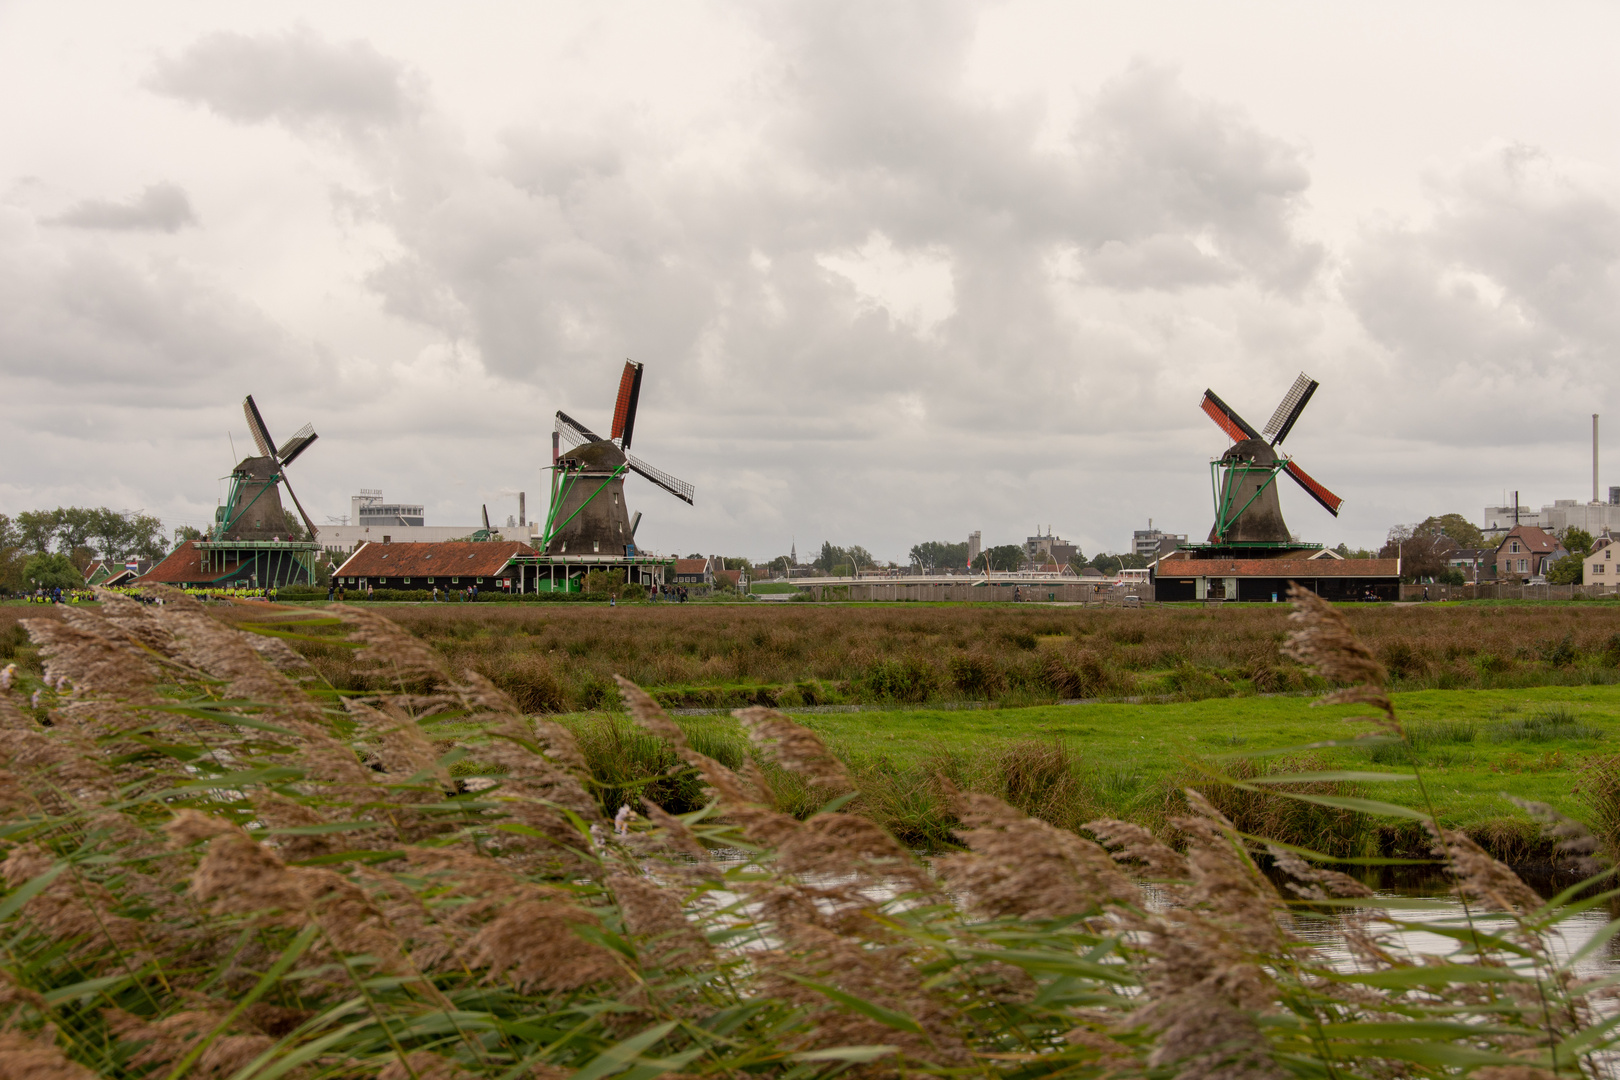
(218, 864)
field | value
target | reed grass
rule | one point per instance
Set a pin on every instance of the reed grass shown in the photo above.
(219, 864)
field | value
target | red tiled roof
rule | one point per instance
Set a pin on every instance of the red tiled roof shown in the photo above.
(1535, 541)
(1279, 568)
(452, 558)
(183, 565)
(733, 576)
(691, 566)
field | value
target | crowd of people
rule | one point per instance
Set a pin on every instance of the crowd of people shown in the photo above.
(58, 596)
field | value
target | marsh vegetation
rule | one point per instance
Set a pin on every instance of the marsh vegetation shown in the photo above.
(218, 864)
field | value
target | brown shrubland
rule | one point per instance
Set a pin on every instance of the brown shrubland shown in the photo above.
(564, 658)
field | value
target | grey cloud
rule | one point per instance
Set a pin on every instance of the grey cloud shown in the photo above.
(160, 208)
(114, 330)
(295, 78)
(1158, 262)
(581, 246)
(1507, 301)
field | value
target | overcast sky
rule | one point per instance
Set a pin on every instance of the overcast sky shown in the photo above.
(897, 271)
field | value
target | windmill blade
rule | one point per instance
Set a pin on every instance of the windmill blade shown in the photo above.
(624, 410)
(1227, 418)
(1330, 502)
(573, 430)
(486, 517)
(1289, 408)
(297, 444)
(308, 524)
(255, 422)
(678, 488)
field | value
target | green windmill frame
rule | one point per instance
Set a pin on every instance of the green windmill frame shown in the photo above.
(553, 527)
(1225, 489)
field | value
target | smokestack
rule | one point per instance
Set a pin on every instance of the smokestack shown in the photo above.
(1515, 509)
(1594, 458)
(522, 518)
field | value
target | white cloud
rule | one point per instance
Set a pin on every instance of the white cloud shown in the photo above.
(915, 287)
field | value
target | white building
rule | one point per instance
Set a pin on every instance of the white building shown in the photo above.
(1601, 567)
(1562, 514)
(372, 520)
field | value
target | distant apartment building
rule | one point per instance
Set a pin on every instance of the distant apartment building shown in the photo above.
(1150, 543)
(1049, 547)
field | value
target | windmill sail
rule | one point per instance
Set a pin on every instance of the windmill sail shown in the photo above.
(676, 487)
(574, 431)
(624, 409)
(1227, 418)
(1330, 502)
(261, 434)
(297, 444)
(1288, 410)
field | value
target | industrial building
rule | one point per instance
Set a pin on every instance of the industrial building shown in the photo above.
(373, 521)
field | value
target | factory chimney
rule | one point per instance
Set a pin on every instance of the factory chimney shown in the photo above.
(523, 520)
(1594, 459)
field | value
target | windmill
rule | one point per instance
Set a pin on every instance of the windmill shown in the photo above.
(1246, 508)
(253, 510)
(588, 515)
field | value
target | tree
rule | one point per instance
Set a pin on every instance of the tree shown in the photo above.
(1566, 571)
(37, 529)
(102, 533)
(1113, 564)
(52, 571)
(1462, 531)
(1005, 556)
(185, 534)
(608, 583)
(12, 557)
(940, 555)
(1577, 542)
(831, 557)
(1421, 551)
(859, 557)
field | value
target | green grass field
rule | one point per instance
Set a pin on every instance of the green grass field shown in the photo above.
(1071, 763)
